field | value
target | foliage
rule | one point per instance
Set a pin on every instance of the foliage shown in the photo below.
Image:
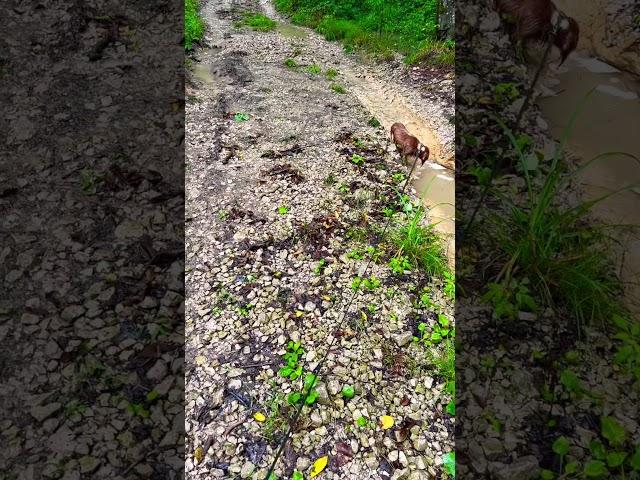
(381, 27)
(259, 22)
(193, 24)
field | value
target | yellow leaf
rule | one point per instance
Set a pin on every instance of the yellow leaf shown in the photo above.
(319, 465)
(259, 416)
(326, 298)
(387, 422)
(200, 360)
(198, 455)
(299, 313)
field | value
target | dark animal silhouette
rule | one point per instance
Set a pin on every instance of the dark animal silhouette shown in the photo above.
(407, 144)
(536, 19)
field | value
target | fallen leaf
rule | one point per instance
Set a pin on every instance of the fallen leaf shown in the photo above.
(319, 465)
(299, 313)
(326, 298)
(200, 360)
(405, 401)
(198, 455)
(344, 454)
(386, 421)
(259, 416)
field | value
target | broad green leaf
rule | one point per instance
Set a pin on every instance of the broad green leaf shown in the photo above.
(612, 431)
(595, 469)
(348, 391)
(561, 446)
(615, 459)
(449, 462)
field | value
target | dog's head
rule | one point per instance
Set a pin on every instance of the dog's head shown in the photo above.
(423, 153)
(567, 37)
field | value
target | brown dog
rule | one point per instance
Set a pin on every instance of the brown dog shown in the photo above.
(407, 144)
(536, 19)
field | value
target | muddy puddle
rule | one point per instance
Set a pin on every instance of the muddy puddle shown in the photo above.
(608, 123)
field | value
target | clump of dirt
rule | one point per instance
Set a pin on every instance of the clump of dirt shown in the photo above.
(287, 172)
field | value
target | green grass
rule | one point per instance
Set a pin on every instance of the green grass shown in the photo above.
(379, 27)
(435, 53)
(331, 74)
(338, 88)
(290, 63)
(314, 69)
(259, 22)
(193, 24)
(555, 247)
(421, 245)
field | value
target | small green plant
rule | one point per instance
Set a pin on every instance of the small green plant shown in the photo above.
(344, 188)
(244, 310)
(283, 209)
(362, 422)
(348, 392)
(338, 88)
(241, 117)
(330, 180)
(450, 284)
(508, 300)
(398, 177)
(292, 370)
(440, 330)
(308, 390)
(399, 265)
(506, 92)
(314, 69)
(290, 63)
(297, 475)
(319, 269)
(89, 181)
(357, 159)
(74, 407)
(138, 410)
(370, 283)
(331, 74)
(374, 122)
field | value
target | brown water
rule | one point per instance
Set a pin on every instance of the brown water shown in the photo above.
(609, 123)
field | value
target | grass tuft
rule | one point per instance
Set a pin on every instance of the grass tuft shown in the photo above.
(421, 245)
(259, 22)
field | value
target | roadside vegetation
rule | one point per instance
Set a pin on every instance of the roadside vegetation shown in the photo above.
(193, 24)
(381, 28)
(536, 255)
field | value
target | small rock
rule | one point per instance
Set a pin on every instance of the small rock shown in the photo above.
(403, 338)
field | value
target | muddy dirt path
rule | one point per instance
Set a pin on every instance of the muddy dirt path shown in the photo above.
(279, 224)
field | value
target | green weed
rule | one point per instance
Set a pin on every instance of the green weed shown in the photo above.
(314, 69)
(338, 88)
(331, 74)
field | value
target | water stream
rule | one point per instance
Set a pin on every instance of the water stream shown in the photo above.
(610, 122)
